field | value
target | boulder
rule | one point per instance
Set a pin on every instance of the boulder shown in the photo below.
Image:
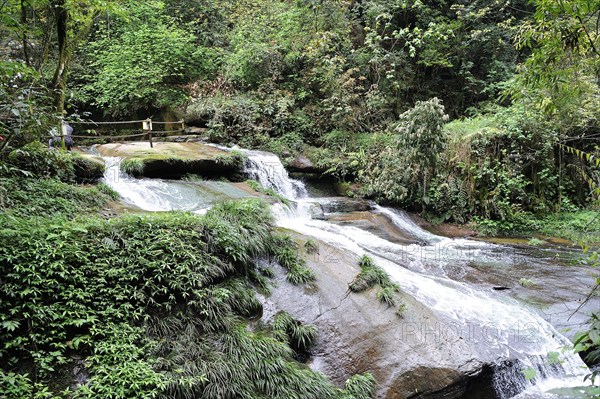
(344, 205)
(302, 164)
(88, 167)
(174, 160)
(316, 212)
(357, 334)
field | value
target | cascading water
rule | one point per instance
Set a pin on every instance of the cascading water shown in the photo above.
(151, 194)
(268, 170)
(502, 331)
(167, 195)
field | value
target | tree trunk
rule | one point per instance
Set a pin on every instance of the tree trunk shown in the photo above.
(60, 75)
(24, 38)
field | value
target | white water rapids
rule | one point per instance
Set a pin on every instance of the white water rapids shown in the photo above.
(499, 328)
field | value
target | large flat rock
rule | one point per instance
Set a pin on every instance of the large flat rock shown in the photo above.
(357, 333)
(174, 160)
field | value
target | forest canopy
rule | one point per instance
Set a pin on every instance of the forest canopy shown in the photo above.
(514, 82)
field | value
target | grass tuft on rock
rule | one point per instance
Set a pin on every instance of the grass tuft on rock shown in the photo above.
(286, 252)
(372, 275)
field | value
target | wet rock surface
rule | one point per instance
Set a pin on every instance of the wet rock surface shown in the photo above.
(357, 333)
(344, 205)
(303, 165)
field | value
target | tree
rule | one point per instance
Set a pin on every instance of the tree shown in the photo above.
(561, 77)
(420, 134)
(73, 22)
(401, 173)
(140, 63)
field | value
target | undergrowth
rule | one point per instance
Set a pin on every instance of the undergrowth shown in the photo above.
(256, 186)
(155, 305)
(29, 197)
(285, 252)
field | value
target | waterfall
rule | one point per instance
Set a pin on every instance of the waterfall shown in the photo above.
(407, 225)
(268, 170)
(152, 194)
(500, 330)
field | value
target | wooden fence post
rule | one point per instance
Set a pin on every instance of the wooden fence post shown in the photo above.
(147, 127)
(63, 133)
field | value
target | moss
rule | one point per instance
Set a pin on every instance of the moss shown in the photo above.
(88, 168)
(133, 166)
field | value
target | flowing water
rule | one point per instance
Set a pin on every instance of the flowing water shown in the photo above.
(502, 330)
(167, 195)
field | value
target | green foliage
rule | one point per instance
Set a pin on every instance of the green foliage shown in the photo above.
(402, 172)
(311, 246)
(44, 162)
(256, 186)
(285, 252)
(588, 341)
(535, 242)
(371, 275)
(232, 159)
(360, 386)
(132, 166)
(299, 336)
(47, 197)
(387, 295)
(24, 105)
(400, 310)
(137, 63)
(525, 282)
(154, 304)
(560, 75)
(120, 366)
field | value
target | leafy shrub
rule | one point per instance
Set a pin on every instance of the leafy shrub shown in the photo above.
(113, 72)
(401, 173)
(153, 303)
(42, 161)
(360, 386)
(28, 197)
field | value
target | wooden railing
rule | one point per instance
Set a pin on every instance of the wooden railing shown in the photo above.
(147, 129)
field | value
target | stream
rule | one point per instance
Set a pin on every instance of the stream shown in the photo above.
(514, 329)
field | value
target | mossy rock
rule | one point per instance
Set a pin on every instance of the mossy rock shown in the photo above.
(66, 166)
(175, 160)
(88, 168)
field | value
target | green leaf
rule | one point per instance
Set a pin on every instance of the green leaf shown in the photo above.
(553, 358)
(529, 374)
(10, 325)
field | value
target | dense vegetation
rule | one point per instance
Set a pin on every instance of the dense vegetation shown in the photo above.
(483, 111)
(143, 306)
(365, 88)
